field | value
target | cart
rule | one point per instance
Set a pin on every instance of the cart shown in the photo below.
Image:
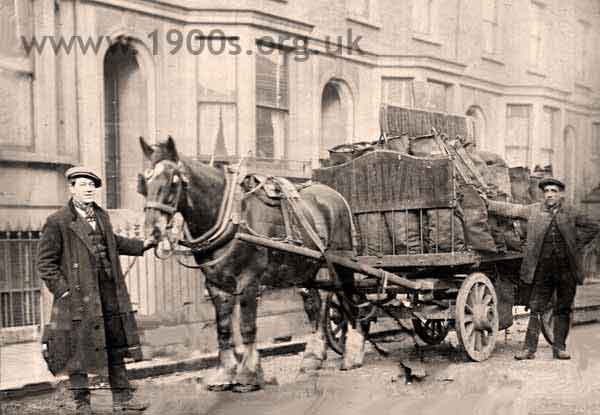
(412, 259)
(452, 287)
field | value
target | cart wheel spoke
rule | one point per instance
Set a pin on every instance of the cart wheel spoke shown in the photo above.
(478, 340)
(480, 293)
(487, 299)
(468, 308)
(485, 338)
(431, 331)
(477, 316)
(469, 329)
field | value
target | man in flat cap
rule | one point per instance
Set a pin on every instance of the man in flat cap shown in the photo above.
(92, 325)
(555, 234)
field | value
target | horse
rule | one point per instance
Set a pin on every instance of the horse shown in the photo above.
(234, 269)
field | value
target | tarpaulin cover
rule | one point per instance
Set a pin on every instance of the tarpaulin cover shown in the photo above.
(386, 180)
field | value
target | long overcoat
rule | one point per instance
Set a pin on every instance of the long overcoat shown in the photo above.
(577, 229)
(65, 262)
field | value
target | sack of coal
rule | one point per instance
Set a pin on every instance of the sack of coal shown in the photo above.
(344, 153)
(476, 227)
(442, 235)
(400, 144)
(425, 146)
(391, 233)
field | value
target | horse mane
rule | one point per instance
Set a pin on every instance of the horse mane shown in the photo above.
(199, 171)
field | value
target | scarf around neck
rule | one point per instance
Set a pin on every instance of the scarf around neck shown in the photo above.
(88, 208)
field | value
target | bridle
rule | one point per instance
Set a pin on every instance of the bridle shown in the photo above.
(172, 207)
(227, 222)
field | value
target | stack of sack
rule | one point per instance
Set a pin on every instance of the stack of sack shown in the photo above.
(470, 224)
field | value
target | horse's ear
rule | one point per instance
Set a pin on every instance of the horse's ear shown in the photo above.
(171, 147)
(146, 148)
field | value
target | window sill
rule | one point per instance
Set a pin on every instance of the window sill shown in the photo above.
(421, 37)
(536, 72)
(371, 23)
(19, 156)
(494, 58)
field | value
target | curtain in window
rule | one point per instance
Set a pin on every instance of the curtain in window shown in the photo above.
(272, 99)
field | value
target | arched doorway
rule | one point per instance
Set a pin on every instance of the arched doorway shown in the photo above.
(125, 119)
(337, 116)
(569, 161)
(476, 126)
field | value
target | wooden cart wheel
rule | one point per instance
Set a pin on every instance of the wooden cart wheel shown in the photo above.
(432, 332)
(477, 316)
(335, 324)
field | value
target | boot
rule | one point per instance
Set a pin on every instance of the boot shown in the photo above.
(124, 402)
(82, 398)
(562, 324)
(525, 355)
(560, 354)
(533, 333)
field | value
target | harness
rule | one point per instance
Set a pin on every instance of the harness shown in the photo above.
(229, 224)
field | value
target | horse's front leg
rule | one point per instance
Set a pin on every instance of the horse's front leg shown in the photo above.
(316, 346)
(249, 375)
(224, 304)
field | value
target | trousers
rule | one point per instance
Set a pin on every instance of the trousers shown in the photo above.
(115, 344)
(553, 276)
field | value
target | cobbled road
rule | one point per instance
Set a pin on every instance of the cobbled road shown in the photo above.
(452, 385)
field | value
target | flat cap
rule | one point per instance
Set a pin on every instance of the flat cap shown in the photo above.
(80, 171)
(551, 180)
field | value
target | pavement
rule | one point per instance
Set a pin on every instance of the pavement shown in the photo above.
(23, 371)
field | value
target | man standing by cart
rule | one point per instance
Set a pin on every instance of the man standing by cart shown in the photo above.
(551, 264)
(92, 326)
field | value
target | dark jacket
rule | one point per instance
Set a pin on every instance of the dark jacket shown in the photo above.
(577, 230)
(65, 262)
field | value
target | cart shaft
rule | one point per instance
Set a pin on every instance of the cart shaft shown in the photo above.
(335, 259)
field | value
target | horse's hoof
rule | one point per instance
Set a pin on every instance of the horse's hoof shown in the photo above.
(311, 364)
(219, 388)
(239, 388)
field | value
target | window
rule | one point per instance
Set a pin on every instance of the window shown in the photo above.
(16, 20)
(548, 137)
(518, 133)
(438, 96)
(398, 92)
(423, 18)
(491, 41)
(596, 140)
(217, 101)
(536, 38)
(272, 104)
(582, 50)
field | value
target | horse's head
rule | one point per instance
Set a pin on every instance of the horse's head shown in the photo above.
(163, 186)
